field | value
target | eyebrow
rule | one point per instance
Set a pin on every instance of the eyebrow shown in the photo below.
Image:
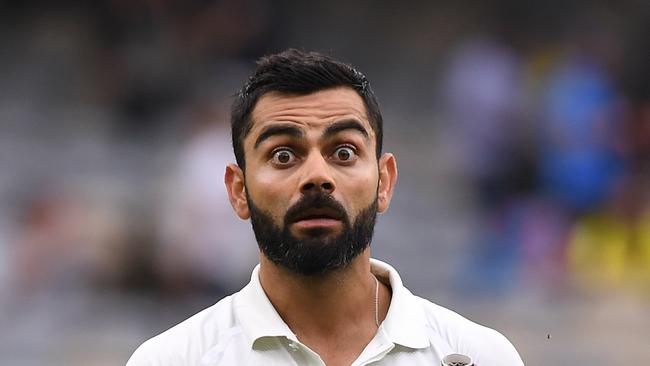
(347, 124)
(275, 130)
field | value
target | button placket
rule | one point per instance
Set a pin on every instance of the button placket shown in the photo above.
(378, 347)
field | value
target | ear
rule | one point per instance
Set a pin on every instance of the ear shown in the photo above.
(236, 187)
(387, 180)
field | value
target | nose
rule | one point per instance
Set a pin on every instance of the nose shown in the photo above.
(317, 176)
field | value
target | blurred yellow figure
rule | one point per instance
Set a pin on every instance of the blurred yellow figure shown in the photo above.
(606, 249)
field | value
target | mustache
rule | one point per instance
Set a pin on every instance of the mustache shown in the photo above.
(316, 200)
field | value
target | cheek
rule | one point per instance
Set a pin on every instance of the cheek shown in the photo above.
(270, 193)
(360, 191)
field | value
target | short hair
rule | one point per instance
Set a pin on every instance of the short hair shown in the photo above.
(301, 73)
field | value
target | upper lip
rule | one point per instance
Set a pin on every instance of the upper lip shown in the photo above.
(318, 213)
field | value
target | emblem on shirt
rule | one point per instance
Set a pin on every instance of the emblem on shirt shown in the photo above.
(456, 359)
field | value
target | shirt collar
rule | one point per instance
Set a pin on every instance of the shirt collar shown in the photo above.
(256, 315)
(404, 323)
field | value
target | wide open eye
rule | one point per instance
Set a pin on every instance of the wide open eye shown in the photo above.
(345, 154)
(283, 157)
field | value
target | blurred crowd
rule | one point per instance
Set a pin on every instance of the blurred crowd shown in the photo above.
(555, 142)
(114, 134)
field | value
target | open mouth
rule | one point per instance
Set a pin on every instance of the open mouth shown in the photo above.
(318, 213)
(318, 217)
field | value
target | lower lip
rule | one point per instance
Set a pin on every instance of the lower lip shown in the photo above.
(313, 223)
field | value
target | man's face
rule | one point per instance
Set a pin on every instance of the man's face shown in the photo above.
(311, 179)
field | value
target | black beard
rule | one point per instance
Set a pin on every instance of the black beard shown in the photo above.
(320, 252)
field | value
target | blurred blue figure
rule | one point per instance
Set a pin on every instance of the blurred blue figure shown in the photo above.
(578, 161)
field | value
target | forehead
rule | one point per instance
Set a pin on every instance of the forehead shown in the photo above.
(311, 111)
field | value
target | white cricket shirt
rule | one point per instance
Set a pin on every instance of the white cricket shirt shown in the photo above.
(244, 329)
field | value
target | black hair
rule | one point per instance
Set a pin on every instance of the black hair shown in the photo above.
(298, 72)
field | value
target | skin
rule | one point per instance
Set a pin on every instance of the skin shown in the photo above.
(332, 314)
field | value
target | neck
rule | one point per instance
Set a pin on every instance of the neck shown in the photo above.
(327, 305)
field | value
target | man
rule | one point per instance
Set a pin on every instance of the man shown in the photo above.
(310, 174)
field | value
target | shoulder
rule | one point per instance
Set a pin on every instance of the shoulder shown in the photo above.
(187, 342)
(486, 346)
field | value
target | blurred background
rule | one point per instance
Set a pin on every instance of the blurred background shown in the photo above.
(521, 129)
